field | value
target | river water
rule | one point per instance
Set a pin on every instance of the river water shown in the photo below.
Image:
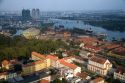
(75, 24)
(19, 32)
(97, 30)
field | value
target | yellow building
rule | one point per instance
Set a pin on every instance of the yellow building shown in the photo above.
(99, 65)
(39, 63)
(45, 61)
(33, 67)
(52, 61)
(37, 56)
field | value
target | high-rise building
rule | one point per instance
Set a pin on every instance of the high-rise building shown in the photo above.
(38, 13)
(26, 14)
(35, 14)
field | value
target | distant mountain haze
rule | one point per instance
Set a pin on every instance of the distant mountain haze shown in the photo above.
(62, 5)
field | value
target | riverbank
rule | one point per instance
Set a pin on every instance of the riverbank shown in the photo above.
(69, 24)
(109, 22)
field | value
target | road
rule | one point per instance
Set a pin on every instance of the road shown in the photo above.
(34, 78)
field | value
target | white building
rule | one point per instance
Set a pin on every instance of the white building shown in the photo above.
(84, 54)
(120, 74)
(7, 75)
(71, 67)
(99, 65)
(31, 33)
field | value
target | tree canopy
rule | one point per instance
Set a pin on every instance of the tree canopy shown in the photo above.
(18, 46)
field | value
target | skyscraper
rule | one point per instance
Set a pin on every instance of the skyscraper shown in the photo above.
(26, 14)
(35, 14)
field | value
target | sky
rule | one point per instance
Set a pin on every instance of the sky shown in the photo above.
(62, 5)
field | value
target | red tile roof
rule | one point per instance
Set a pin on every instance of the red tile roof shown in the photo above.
(44, 81)
(81, 58)
(120, 51)
(67, 33)
(82, 75)
(52, 57)
(71, 52)
(39, 55)
(120, 70)
(88, 40)
(99, 79)
(3, 73)
(5, 62)
(112, 46)
(93, 48)
(63, 62)
(33, 63)
(98, 59)
(67, 58)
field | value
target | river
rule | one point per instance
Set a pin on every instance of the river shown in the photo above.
(19, 32)
(97, 30)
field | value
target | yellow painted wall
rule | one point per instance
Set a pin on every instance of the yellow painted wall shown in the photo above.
(34, 68)
(48, 62)
(35, 57)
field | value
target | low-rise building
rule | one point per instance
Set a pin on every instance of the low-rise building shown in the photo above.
(67, 34)
(99, 65)
(7, 75)
(110, 46)
(64, 54)
(80, 60)
(44, 81)
(33, 67)
(97, 80)
(75, 80)
(37, 56)
(84, 76)
(119, 51)
(53, 60)
(91, 48)
(69, 59)
(3, 75)
(72, 67)
(5, 64)
(39, 63)
(86, 40)
(31, 33)
(120, 73)
(84, 54)
(66, 72)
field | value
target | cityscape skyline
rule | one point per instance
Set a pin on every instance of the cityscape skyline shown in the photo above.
(62, 41)
(62, 5)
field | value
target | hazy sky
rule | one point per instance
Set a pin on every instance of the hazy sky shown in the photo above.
(50, 5)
